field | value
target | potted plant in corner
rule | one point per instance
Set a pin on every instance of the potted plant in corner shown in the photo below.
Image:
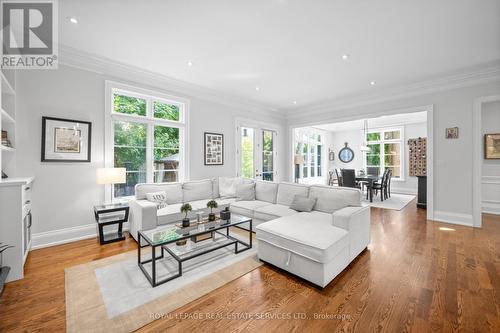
(212, 204)
(186, 208)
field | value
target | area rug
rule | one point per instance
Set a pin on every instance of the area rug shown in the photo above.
(113, 295)
(395, 202)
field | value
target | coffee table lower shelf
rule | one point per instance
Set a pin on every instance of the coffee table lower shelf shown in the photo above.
(183, 253)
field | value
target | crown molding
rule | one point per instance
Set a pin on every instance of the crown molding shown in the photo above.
(73, 57)
(483, 74)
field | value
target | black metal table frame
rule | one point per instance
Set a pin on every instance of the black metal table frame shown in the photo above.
(120, 222)
(152, 277)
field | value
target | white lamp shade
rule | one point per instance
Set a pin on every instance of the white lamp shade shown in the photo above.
(298, 159)
(107, 176)
(365, 148)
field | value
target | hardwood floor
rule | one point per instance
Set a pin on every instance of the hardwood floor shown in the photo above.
(414, 277)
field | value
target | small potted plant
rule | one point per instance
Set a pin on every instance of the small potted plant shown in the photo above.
(212, 204)
(186, 208)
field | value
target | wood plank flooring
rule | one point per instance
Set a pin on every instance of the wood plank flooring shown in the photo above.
(414, 277)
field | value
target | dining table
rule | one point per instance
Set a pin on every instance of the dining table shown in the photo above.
(369, 179)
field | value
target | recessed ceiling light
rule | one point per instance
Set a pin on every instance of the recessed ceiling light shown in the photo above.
(189, 63)
(72, 20)
(257, 88)
(294, 102)
(373, 83)
(345, 56)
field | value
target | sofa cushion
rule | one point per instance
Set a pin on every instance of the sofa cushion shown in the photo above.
(170, 214)
(302, 204)
(266, 191)
(247, 208)
(271, 212)
(287, 191)
(197, 190)
(245, 192)
(330, 199)
(172, 190)
(311, 236)
(227, 186)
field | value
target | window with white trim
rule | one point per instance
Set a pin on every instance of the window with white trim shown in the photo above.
(385, 152)
(147, 131)
(309, 144)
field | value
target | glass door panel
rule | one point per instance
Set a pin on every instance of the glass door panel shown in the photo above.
(257, 153)
(268, 155)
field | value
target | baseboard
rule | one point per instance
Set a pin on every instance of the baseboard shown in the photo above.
(66, 235)
(490, 207)
(454, 218)
(404, 191)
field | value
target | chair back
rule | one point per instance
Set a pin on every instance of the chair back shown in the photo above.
(388, 176)
(348, 177)
(339, 176)
(372, 171)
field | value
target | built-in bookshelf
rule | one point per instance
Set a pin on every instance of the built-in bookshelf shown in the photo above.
(8, 122)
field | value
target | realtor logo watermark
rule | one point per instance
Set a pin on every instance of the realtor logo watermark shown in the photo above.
(29, 34)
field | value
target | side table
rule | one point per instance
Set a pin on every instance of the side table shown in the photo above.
(111, 214)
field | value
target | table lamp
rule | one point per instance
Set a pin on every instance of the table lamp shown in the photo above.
(298, 160)
(111, 176)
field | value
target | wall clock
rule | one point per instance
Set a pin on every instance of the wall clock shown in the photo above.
(346, 154)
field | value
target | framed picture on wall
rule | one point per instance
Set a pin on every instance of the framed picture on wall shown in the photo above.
(66, 140)
(492, 146)
(214, 149)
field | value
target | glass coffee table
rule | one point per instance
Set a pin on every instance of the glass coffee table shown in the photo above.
(200, 239)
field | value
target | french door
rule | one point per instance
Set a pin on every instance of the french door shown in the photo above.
(256, 152)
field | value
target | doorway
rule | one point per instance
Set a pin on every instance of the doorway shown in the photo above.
(256, 152)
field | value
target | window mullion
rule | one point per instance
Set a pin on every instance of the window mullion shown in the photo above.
(150, 143)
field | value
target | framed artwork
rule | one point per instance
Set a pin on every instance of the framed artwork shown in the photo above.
(452, 133)
(66, 140)
(214, 149)
(492, 146)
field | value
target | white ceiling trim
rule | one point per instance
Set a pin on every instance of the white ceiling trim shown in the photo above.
(76, 58)
(487, 73)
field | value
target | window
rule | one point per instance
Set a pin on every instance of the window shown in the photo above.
(308, 143)
(247, 152)
(147, 135)
(385, 152)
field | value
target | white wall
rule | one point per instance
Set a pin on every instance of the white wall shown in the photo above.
(490, 168)
(452, 158)
(355, 139)
(64, 193)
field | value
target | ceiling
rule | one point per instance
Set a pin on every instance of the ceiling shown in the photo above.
(379, 122)
(290, 49)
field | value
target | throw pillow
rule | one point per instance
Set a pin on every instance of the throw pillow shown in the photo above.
(159, 198)
(245, 192)
(302, 204)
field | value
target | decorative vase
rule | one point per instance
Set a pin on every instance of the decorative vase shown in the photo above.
(185, 222)
(225, 214)
(211, 217)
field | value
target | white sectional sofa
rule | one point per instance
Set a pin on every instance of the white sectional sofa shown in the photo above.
(315, 245)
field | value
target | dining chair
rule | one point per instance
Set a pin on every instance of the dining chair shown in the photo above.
(382, 186)
(349, 178)
(388, 186)
(339, 177)
(372, 171)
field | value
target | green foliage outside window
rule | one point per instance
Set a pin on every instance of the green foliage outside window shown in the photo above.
(166, 111)
(129, 105)
(247, 156)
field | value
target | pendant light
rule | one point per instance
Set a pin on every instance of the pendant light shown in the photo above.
(364, 146)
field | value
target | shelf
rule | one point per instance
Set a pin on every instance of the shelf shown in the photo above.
(8, 88)
(7, 117)
(5, 148)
